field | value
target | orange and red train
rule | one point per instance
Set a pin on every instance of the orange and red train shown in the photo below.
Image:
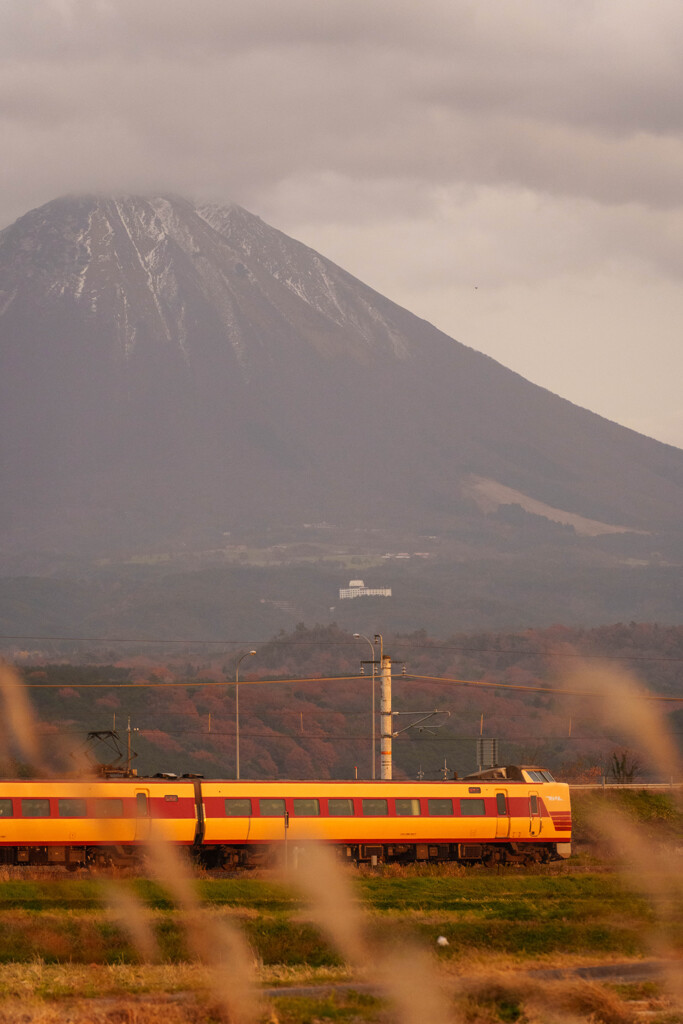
(502, 815)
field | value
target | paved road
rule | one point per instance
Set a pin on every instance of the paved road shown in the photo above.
(641, 970)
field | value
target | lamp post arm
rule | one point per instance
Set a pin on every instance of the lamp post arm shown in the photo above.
(361, 636)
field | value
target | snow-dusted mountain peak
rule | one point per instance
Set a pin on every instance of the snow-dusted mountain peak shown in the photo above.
(161, 269)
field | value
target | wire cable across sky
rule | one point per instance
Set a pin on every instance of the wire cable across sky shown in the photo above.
(481, 683)
(202, 642)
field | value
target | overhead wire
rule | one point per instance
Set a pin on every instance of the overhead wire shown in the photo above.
(481, 683)
(327, 737)
(199, 642)
(532, 689)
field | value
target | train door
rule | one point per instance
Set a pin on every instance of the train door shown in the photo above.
(503, 814)
(141, 815)
(236, 825)
(535, 823)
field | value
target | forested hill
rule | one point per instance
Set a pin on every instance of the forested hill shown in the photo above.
(180, 700)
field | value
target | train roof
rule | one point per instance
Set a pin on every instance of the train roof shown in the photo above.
(507, 772)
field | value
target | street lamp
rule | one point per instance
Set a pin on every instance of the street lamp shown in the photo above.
(237, 711)
(361, 636)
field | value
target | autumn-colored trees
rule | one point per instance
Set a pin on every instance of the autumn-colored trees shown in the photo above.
(318, 723)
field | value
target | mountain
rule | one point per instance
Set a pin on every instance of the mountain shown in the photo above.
(179, 378)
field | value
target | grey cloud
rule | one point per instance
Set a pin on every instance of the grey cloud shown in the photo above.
(131, 29)
(553, 96)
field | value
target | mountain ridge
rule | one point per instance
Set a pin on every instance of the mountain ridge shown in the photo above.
(173, 373)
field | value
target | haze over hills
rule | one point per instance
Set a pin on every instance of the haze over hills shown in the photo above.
(182, 380)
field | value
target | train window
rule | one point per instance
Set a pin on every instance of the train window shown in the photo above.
(108, 807)
(338, 808)
(501, 803)
(535, 776)
(141, 808)
(6, 810)
(407, 808)
(375, 808)
(472, 808)
(272, 808)
(238, 808)
(547, 776)
(440, 808)
(35, 808)
(306, 808)
(533, 803)
(72, 807)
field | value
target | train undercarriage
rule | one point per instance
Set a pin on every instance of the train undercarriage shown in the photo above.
(232, 858)
(71, 857)
(235, 857)
(461, 853)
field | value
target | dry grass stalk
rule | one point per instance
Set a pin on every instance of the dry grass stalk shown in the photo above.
(131, 915)
(623, 705)
(18, 721)
(217, 943)
(654, 874)
(406, 974)
(646, 869)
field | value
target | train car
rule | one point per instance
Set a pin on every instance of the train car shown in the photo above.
(107, 821)
(503, 815)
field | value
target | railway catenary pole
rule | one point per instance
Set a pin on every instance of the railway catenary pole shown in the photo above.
(129, 750)
(385, 718)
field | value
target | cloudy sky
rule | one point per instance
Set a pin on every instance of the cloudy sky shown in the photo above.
(510, 170)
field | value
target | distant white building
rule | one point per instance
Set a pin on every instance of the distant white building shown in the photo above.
(357, 588)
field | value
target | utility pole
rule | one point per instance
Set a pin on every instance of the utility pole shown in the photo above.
(385, 718)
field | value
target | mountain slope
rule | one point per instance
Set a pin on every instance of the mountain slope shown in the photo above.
(171, 373)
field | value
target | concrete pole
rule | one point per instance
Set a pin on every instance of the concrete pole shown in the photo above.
(385, 718)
